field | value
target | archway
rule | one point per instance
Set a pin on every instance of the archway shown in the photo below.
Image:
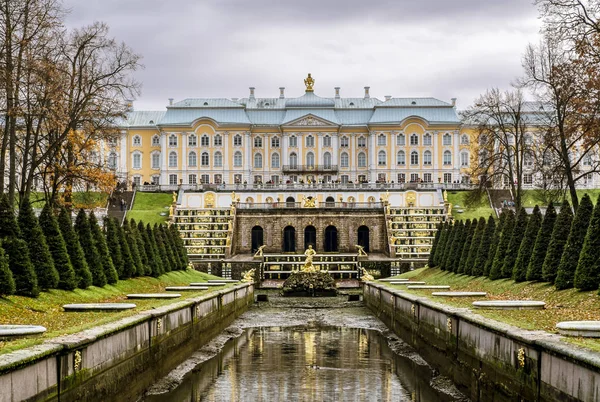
(310, 237)
(289, 239)
(290, 202)
(331, 239)
(330, 202)
(363, 237)
(257, 238)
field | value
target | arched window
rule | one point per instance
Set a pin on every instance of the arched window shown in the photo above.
(447, 139)
(293, 160)
(427, 139)
(155, 141)
(587, 160)
(327, 141)
(400, 140)
(218, 140)
(192, 159)
(112, 160)
(344, 142)
(293, 141)
(156, 160)
(381, 140)
(218, 161)
(237, 140)
(258, 142)
(327, 160)
(172, 140)
(205, 159)
(137, 141)
(362, 142)
(381, 158)
(464, 139)
(447, 158)
(310, 159)
(464, 159)
(414, 139)
(275, 142)
(427, 158)
(310, 141)
(275, 160)
(414, 158)
(204, 140)
(237, 159)
(173, 159)
(362, 160)
(192, 140)
(344, 160)
(258, 161)
(401, 158)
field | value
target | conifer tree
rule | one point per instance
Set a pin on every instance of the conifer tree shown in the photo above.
(587, 275)
(180, 246)
(131, 235)
(483, 253)
(475, 246)
(114, 246)
(7, 283)
(141, 239)
(505, 238)
(514, 245)
(533, 227)
(494, 244)
(8, 223)
(129, 264)
(470, 227)
(449, 245)
(565, 275)
(442, 244)
(58, 249)
(542, 240)
(560, 233)
(436, 240)
(32, 234)
(105, 258)
(83, 275)
(172, 251)
(154, 259)
(160, 246)
(457, 243)
(92, 257)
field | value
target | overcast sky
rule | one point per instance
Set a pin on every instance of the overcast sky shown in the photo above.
(403, 48)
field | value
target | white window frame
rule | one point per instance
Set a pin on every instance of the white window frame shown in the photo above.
(173, 159)
(138, 155)
(238, 159)
(194, 162)
(136, 141)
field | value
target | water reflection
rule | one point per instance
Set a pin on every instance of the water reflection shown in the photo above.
(304, 364)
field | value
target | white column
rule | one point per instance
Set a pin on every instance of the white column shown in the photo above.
(335, 146)
(248, 157)
(300, 140)
(456, 156)
(226, 166)
(435, 156)
(392, 159)
(123, 160)
(285, 144)
(164, 154)
(372, 166)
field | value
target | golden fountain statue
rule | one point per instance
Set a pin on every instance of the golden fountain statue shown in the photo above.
(259, 251)
(366, 277)
(309, 82)
(308, 263)
(248, 276)
(361, 251)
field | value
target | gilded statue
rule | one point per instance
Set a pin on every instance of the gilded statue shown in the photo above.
(259, 252)
(232, 197)
(361, 251)
(171, 210)
(308, 262)
(309, 202)
(366, 277)
(309, 82)
(174, 197)
(248, 276)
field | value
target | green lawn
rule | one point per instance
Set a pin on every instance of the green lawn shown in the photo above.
(81, 199)
(46, 309)
(472, 209)
(148, 207)
(532, 198)
(564, 305)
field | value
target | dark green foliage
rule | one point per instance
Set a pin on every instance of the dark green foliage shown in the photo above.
(514, 245)
(560, 234)
(136, 245)
(171, 248)
(58, 249)
(82, 227)
(180, 246)
(457, 243)
(8, 223)
(22, 269)
(7, 283)
(154, 258)
(114, 246)
(436, 240)
(587, 275)
(83, 275)
(495, 241)
(534, 269)
(565, 275)
(105, 258)
(162, 250)
(129, 264)
(439, 250)
(449, 244)
(138, 268)
(505, 238)
(533, 227)
(464, 256)
(484, 248)
(475, 246)
(32, 233)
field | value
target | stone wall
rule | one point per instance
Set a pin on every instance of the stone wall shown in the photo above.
(273, 222)
(488, 360)
(122, 358)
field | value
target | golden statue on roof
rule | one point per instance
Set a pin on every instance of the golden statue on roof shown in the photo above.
(309, 82)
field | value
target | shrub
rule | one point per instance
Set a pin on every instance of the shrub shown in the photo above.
(82, 227)
(7, 282)
(436, 240)
(449, 244)
(457, 243)
(439, 250)
(180, 246)
(560, 233)
(483, 252)
(587, 275)
(470, 227)
(8, 223)
(542, 240)
(505, 238)
(514, 245)
(83, 275)
(58, 248)
(533, 227)
(129, 264)
(495, 240)
(475, 246)
(160, 246)
(154, 259)
(21, 267)
(114, 246)
(105, 257)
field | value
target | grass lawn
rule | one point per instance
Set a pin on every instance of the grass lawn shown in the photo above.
(147, 207)
(81, 199)
(471, 210)
(46, 310)
(533, 197)
(564, 305)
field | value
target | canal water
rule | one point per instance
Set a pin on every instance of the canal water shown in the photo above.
(313, 363)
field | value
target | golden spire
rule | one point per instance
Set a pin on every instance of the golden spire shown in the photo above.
(309, 82)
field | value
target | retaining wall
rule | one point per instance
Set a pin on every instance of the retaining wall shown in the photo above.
(486, 359)
(119, 360)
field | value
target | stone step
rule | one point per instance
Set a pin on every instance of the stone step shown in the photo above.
(460, 294)
(510, 304)
(153, 296)
(98, 306)
(185, 288)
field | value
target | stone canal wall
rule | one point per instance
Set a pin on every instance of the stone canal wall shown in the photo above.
(488, 360)
(118, 361)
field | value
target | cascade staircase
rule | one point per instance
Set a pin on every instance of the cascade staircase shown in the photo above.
(498, 196)
(114, 204)
(206, 233)
(412, 231)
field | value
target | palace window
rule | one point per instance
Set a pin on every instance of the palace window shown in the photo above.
(257, 161)
(192, 159)
(310, 159)
(447, 139)
(112, 142)
(414, 139)
(156, 141)
(362, 160)
(155, 180)
(381, 140)
(427, 158)
(427, 139)
(172, 140)
(237, 178)
(293, 141)
(218, 140)
(173, 179)
(344, 160)
(137, 160)
(427, 178)
(192, 179)
(205, 179)
(414, 177)
(204, 141)
(112, 160)
(275, 179)
(156, 160)
(381, 178)
(327, 141)
(401, 178)
(258, 142)
(447, 177)
(204, 159)
(218, 160)
(587, 160)
(275, 142)
(414, 158)
(345, 179)
(173, 159)
(528, 178)
(257, 180)
(192, 140)
(310, 141)
(447, 158)
(218, 178)
(344, 142)
(381, 158)
(237, 159)
(401, 158)
(293, 160)
(362, 142)
(464, 159)
(137, 141)
(275, 160)
(237, 140)
(401, 140)
(327, 160)
(464, 139)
